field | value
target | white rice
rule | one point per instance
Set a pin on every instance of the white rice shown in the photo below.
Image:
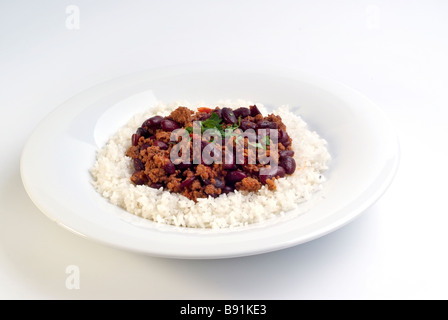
(112, 171)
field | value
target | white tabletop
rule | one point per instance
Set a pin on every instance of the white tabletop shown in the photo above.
(395, 53)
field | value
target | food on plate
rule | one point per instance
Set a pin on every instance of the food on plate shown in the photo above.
(224, 165)
(230, 147)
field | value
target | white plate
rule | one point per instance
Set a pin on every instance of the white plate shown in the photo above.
(60, 151)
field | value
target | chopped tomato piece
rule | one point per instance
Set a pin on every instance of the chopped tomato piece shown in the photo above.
(205, 109)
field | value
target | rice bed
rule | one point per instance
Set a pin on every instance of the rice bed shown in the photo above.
(112, 170)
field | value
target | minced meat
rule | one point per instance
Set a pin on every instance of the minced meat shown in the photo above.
(152, 145)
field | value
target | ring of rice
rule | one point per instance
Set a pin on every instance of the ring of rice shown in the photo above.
(112, 170)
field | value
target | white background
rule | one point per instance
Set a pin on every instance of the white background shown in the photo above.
(395, 52)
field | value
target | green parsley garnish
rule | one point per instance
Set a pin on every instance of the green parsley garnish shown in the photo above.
(268, 140)
(256, 145)
(214, 123)
(260, 145)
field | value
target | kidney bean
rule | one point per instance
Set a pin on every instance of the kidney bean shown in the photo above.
(162, 145)
(235, 176)
(138, 164)
(229, 166)
(170, 168)
(280, 172)
(286, 143)
(246, 124)
(206, 181)
(153, 122)
(289, 164)
(228, 116)
(283, 138)
(156, 185)
(241, 112)
(139, 178)
(183, 166)
(144, 146)
(218, 111)
(281, 135)
(286, 153)
(227, 189)
(169, 125)
(219, 183)
(135, 138)
(254, 110)
(263, 178)
(143, 132)
(272, 172)
(265, 124)
(205, 116)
